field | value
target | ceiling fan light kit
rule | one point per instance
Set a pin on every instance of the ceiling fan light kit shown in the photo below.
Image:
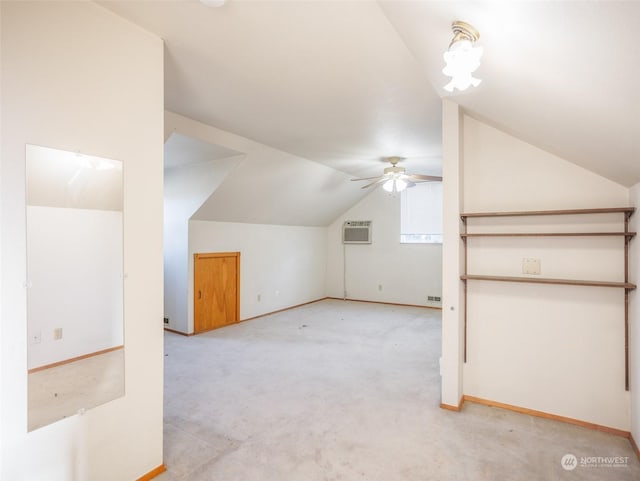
(395, 185)
(462, 58)
(395, 179)
(394, 174)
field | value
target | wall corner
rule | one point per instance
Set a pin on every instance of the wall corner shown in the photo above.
(452, 255)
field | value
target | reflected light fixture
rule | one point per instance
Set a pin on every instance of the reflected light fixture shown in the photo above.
(462, 58)
(213, 3)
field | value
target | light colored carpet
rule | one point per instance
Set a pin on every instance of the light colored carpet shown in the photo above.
(62, 391)
(349, 391)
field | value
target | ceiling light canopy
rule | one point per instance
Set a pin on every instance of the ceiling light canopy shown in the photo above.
(462, 58)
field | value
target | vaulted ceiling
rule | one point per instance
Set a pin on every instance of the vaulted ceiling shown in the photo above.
(345, 83)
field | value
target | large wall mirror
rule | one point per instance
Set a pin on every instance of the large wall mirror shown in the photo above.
(75, 325)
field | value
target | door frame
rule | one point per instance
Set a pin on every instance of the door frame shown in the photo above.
(208, 255)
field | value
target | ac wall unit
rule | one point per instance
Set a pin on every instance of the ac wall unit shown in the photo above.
(356, 232)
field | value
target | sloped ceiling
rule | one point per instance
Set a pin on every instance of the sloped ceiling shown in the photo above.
(271, 187)
(347, 82)
(561, 75)
(181, 151)
(193, 170)
(330, 81)
(262, 185)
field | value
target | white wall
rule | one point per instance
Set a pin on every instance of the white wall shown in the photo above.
(186, 188)
(408, 273)
(634, 316)
(557, 349)
(84, 248)
(1, 242)
(285, 265)
(1, 245)
(77, 77)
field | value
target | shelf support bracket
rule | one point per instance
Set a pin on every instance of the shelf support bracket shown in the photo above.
(464, 241)
(627, 238)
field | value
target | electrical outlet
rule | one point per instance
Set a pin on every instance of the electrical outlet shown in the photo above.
(57, 333)
(259, 297)
(35, 337)
(380, 287)
(531, 266)
(166, 320)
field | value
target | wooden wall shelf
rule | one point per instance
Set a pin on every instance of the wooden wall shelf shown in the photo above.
(550, 234)
(546, 280)
(625, 234)
(606, 210)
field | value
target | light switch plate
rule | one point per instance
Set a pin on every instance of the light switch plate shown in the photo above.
(530, 266)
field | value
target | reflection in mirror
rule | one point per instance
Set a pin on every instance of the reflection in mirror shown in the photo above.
(75, 352)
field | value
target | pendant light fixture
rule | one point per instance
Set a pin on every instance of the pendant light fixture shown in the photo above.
(462, 58)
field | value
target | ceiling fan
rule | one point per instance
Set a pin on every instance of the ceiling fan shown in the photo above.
(395, 179)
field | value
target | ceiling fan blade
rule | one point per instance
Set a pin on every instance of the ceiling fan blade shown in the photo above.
(420, 181)
(424, 178)
(368, 178)
(375, 182)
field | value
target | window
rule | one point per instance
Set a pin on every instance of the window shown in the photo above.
(421, 214)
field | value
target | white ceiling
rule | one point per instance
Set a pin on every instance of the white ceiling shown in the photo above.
(347, 82)
(180, 150)
(261, 185)
(272, 188)
(562, 75)
(328, 81)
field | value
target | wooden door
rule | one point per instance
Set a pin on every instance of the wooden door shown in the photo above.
(216, 290)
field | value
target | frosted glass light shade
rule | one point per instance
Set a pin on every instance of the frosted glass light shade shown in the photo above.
(394, 185)
(462, 59)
